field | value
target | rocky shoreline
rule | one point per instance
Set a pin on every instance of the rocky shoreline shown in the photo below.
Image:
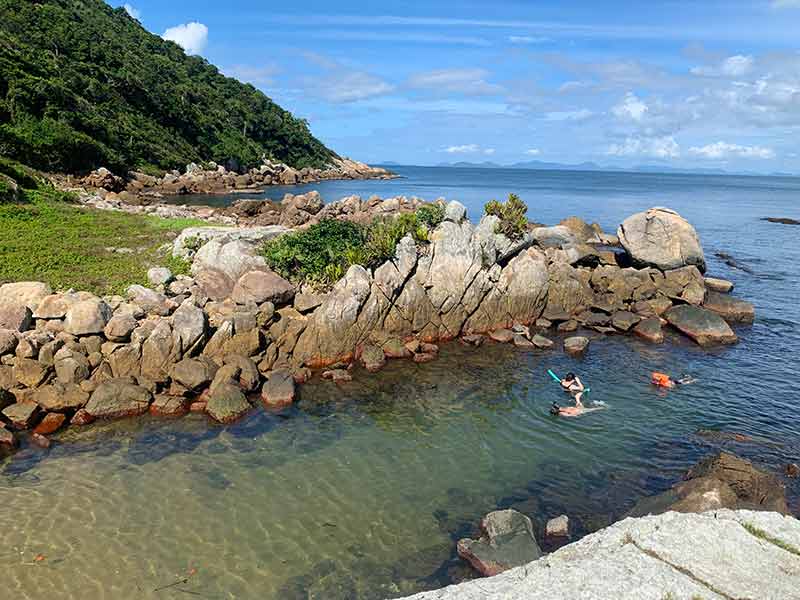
(212, 341)
(138, 188)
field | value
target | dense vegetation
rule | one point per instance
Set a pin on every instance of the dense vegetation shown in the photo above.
(45, 237)
(321, 254)
(83, 85)
(512, 215)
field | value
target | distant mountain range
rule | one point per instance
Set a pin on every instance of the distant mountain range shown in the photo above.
(538, 165)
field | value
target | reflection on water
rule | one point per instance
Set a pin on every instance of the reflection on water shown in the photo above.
(360, 491)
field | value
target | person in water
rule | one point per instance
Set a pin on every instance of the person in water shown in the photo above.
(573, 385)
(665, 381)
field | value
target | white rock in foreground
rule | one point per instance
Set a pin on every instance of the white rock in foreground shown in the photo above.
(673, 555)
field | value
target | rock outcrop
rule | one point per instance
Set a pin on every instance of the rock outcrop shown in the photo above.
(661, 238)
(715, 555)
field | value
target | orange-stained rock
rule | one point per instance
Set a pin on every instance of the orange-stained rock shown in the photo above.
(197, 407)
(81, 418)
(51, 423)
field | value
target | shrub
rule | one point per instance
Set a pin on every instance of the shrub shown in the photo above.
(322, 254)
(431, 214)
(512, 215)
(317, 254)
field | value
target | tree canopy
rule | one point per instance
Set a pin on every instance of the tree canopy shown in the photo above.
(84, 85)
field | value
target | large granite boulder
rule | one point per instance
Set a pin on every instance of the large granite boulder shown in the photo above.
(661, 238)
(722, 554)
(27, 293)
(15, 316)
(703, 326)
(117, 398)
(506, 541)
(257, 287)
(193, 238)
(87, 317)
(194, 373)
(234, 259)
(150, 301)
(719, 481)
(60, 398)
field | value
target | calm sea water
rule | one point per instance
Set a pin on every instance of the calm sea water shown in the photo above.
(361, 491)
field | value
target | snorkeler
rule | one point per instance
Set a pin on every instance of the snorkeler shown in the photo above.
(573, 385)
(665, 381)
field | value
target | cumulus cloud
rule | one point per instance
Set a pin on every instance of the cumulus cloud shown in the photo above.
(533, 152)
(630, 108)
(489, 151)
(738, 65)
(658, 147)
(133, 12)
(463, 149)
(464, 81)
(192, 37)
(721, 150)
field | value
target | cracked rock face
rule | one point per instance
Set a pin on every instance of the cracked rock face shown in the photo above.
(661, 238)
(715, 555)
(456, 286)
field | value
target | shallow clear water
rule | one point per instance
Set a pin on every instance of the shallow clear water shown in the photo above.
(360, 491)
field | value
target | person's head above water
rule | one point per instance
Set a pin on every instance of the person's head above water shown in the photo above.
(569, 377)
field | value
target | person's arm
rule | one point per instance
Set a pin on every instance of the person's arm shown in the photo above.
(580, 383)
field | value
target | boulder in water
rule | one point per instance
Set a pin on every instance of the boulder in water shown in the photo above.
(650, 330)
(703, 326)
(661, 238)
(576, 346)
(506, 541)
(723, 286)
(729, 308)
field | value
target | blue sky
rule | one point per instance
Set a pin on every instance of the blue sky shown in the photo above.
(678, 83)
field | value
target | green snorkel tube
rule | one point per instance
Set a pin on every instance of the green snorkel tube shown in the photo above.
(558, 379)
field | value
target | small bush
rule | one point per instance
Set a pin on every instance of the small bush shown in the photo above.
(322, 253)
(512, 215)
(431, 214)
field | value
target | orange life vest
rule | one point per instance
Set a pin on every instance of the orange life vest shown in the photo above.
(661, 379)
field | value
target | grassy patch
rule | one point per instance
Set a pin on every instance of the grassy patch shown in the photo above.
(761, 534)
(49, 239)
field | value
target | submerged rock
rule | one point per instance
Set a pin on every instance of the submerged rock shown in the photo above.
(650, 330)
(506, 541)
(576, 346)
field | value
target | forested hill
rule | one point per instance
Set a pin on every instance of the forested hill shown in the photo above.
(84, 85)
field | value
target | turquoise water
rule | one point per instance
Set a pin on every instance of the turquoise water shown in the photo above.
(361, 490)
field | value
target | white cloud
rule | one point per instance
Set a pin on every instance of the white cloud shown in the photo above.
(569, 115)
(355, 85)
(489, 151)
(533, 152)
(463, 149)
(631, 108)
(786, 3)
(720, 150)
(527, 39)
(738, 65)
(658, 147)
(132, 11)
(466, 81)
(192, 37)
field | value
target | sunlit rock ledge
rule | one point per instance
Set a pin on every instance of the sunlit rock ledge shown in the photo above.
(720, 554)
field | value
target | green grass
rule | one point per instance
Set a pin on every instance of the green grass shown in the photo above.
(761, 534)
(46, 238)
